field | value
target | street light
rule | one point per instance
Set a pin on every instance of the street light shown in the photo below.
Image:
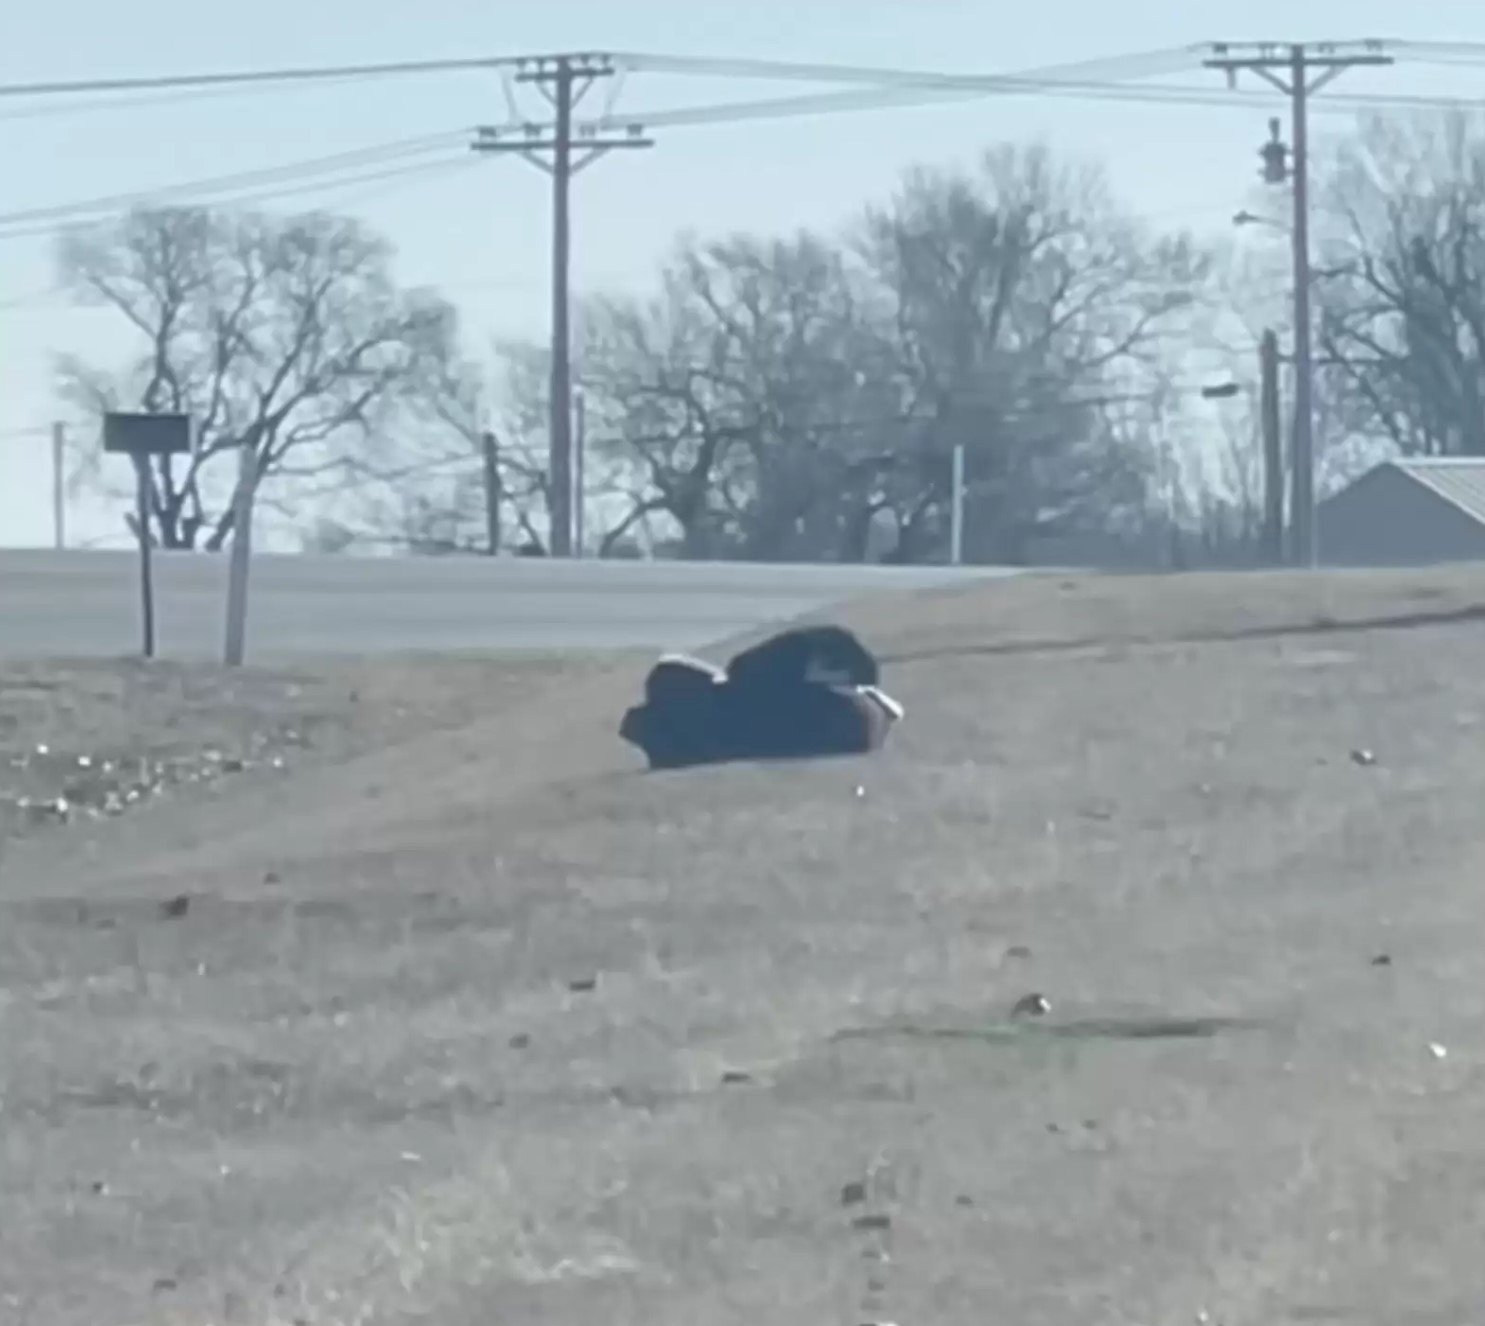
(1221, 391)
(1247, 218)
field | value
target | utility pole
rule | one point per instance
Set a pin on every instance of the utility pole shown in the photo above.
(563, 80)
(1290, 69)
(1273, 448)
(490, 455)
(59, 486)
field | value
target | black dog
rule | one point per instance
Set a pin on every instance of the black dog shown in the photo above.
(829, 654)
(680, 722)
(681, 679)
(807, 692)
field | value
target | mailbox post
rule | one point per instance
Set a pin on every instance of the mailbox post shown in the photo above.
(140, 437)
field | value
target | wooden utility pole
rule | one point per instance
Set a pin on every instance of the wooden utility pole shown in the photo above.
(1273, 448)
(564, 80)
(1289, 69)
(490, 458)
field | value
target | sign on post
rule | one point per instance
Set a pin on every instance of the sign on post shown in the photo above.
(141, 436)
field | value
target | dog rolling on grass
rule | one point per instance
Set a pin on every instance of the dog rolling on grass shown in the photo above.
(681, 720)
(807, 692)
(827, 654)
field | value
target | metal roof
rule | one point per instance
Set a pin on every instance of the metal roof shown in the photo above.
(1459, 480)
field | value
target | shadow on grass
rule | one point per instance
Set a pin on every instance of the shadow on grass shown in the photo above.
(1321, 625)
(1020, 1030)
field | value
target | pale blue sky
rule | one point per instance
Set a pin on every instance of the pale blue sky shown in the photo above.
(481, 233)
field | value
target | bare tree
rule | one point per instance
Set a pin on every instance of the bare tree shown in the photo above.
(433, 497)
(1027, 311)
(743, 402)
(285, 335)
(780, 398)
(518, 410)
(1405, 209)
(430, 495)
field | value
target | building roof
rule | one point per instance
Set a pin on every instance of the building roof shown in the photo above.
(1459, 480)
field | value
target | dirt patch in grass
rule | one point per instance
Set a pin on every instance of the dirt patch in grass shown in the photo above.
(488, 1025)
(87, 739)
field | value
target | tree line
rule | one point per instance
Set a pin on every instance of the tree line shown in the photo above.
(802, 396)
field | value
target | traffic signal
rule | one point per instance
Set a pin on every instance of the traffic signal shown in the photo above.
(1275, 156)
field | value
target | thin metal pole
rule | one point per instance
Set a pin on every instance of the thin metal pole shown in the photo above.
(59, 486)
(579, 466)
(146, 561)
(956, 509)
(1303, 517)
(1273, 448)
(235, 647)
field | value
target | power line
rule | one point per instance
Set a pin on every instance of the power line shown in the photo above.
(915, 89)
(886, 87)
(694, 116)
(356, 157)
(1103, 79)
(318, 73)
(1051, 82)
(1144, 64)
(1135, 65)
(528, 69)
(716, 68)
(442, 166)
(1438, 52)
(1089, 73)
(46, 108)
(1169, 59)
(32, 219)
(834, 103)
(1022, 85)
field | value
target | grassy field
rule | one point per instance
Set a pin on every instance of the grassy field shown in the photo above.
(88, 739)
(457, 1018)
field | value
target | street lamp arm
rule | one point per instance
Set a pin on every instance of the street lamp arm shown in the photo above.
(1247, 218)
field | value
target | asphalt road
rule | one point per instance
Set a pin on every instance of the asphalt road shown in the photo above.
(87, 603)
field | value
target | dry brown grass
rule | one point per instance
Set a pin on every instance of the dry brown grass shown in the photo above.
(355, 1082)
(83, 739)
